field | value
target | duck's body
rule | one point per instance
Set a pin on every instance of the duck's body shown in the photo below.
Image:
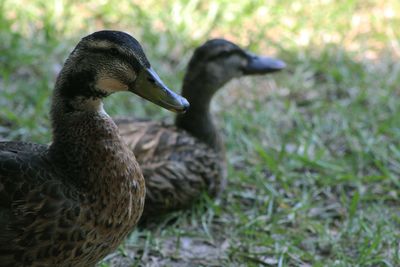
(73, 202)
(177, 167)
(180, 162)
(61, 206)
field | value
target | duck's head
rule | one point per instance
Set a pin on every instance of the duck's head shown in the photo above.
(218, 61)
(106, 62)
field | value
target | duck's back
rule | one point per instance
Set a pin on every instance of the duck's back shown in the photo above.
(30, 200)
(40, 215)
(18, 164)
(177, 167)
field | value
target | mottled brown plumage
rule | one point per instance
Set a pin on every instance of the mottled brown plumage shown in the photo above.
(181, 162)
(177, 167)
(73, 202)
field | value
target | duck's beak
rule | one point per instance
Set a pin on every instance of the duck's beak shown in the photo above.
(149, 86)
(261, 65)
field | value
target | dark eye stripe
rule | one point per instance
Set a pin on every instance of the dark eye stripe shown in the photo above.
(224, 54)
(109, 50)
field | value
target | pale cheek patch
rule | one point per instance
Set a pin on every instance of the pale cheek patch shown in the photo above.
(111, 85)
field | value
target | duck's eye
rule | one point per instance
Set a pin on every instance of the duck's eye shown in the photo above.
(114, 51)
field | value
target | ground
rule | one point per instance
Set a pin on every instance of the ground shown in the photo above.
(313, 152)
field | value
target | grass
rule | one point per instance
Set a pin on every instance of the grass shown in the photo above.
(314, 152)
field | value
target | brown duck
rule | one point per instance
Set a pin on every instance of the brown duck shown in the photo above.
(181, 161)
(73, 202)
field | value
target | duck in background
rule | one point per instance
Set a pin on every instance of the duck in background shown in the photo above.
(74, 201)
(179, 162)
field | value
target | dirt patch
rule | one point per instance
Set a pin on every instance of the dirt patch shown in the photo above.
(174, 251)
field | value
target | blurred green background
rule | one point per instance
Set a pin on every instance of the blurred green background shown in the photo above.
(314, 151)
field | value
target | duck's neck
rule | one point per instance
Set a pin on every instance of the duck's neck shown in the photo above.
(87, 147)
(77, 114)
(198, 120)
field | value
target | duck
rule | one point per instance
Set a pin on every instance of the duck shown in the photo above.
(72, 202)
(181, 161)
